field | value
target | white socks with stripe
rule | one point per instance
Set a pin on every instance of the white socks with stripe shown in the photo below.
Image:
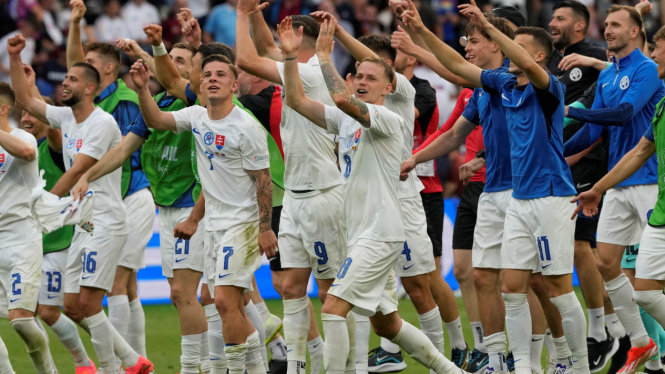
(363, 328)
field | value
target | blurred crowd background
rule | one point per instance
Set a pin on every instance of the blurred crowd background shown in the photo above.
(45, 24)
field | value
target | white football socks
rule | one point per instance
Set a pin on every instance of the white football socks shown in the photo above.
(363, 328)
(35, 343)
(614, 326)
(574, 327)
(39, 324)
(518, 325)
(430, 325)
(191, 353)
(5, 365)
(136, 327)
(549, 344)
(389, 346)
(562, 352)
(68, 334)
(296, 326)
(351, 359)
(621, 293)
(102, 340)
(653, 302)
(597, 324)
(278, 349)
(455, 334)
(255, 317)
(235, 358)
(336, 346)
(478, 335)
(119, 316)
(496, 349)
(536, 351)
(216, 345)
(415, 343)
(204, 357)
(253, 359)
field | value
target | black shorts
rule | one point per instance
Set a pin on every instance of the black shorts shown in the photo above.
(433, 205)
(465, 222)
(585, 174)
(275, 263)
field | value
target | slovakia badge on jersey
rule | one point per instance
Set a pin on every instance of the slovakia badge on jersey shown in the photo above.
(79, 144)
(2, 159)
(219, 141)
(356, 139)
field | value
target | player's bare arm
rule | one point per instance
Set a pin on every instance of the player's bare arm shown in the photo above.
(166, 72)
(467, 170)
(82, 163)
(75, 51)
(403, 42)
(187, 228)
(248, 59)
(190, 27)
(575, 60)
(15, 146)
(267, 238)
(337, 88)
(133, 50)
(536, 74)
(627, 166)
(357, 49)
(262, 37)
(447, 56)
(110, 162)
(295, 92)
(154, 118)
(24, 98)
(441, 146)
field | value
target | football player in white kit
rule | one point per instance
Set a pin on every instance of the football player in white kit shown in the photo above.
(88, 133)
(21, 264)
(312, 229)
(232, 154)
(375, 235)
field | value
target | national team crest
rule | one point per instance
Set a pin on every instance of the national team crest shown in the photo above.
(207, 138)
(356, 139)
(2, 159)
(70, 144)
(219, 141)
(79, 144)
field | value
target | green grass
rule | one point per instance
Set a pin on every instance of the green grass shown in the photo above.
(163, 339)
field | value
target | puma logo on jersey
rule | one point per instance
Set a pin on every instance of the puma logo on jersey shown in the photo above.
(169, 153)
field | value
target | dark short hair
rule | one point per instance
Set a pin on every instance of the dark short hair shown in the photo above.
(7, 93)
(379, 44)
(222, 59)
(310, 27)
(388, 70)
(499, 23)
(634, 15)
(216, 48)
(541, 37)
(89, 72)
(107, 50)
(578, 9)
(186, 46)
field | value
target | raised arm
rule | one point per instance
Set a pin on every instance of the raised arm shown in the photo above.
(402, 41)
(576, 60)
(337, 88)
(133, 50)
(154, 118)
(111, 161)
(16, 147)
(536, 74)
(447, 56)
(190, 27)
(165, 71)
(293, 88)
(74, 46)
(261, 36)
(24, 98)
(627, 166)
(357, 49)
(248, 59)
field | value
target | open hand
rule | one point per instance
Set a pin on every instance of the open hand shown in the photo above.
(411, 18)
(140, 74)
(398, 6)
(78, 11)
(588, 203)
(249, 7)
(402, 41)
(325, 42)
(289, 41)
(474, 14)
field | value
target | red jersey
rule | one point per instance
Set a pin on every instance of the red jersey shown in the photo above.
(474, 142)
(425, 125)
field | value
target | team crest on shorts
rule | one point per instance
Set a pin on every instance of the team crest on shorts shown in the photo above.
(356, 138)
(219, 141)
(207, 138)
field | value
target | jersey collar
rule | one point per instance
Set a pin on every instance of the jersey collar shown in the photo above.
(633, 57)
(108, 91)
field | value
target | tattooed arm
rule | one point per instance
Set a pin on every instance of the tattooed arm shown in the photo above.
(340, 94)
(267, 238)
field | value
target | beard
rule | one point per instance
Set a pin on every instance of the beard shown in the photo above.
(73, 100)
(618, 45)
(565, 39)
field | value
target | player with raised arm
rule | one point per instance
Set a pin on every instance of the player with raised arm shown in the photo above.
(312, 228)
(232, 152)
(624, 105)
(371, 143)
(532, 94)
(88, 133)
(649, 277)
(20, 271)
(115, 98)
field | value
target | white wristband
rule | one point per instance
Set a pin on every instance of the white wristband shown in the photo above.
(159, 50)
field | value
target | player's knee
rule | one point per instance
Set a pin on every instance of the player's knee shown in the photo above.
(605, 266)
(647, 298)
(385, 330)
(482, 282)
(462, 273)
(179, 295)
(49, 314)
(223, 306)
(291, 290)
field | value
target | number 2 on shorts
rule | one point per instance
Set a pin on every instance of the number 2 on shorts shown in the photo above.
(229, 253)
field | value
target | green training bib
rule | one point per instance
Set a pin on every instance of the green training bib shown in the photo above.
(657, 217)
(61, 238)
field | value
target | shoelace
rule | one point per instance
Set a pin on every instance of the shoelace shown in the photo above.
(374, 352)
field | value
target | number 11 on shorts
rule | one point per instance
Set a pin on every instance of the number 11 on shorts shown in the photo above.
(544, 249)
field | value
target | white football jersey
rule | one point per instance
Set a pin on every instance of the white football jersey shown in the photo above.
(370, 159)
(225, 150)
(94, 137)
(17, 179)
(309, 153)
